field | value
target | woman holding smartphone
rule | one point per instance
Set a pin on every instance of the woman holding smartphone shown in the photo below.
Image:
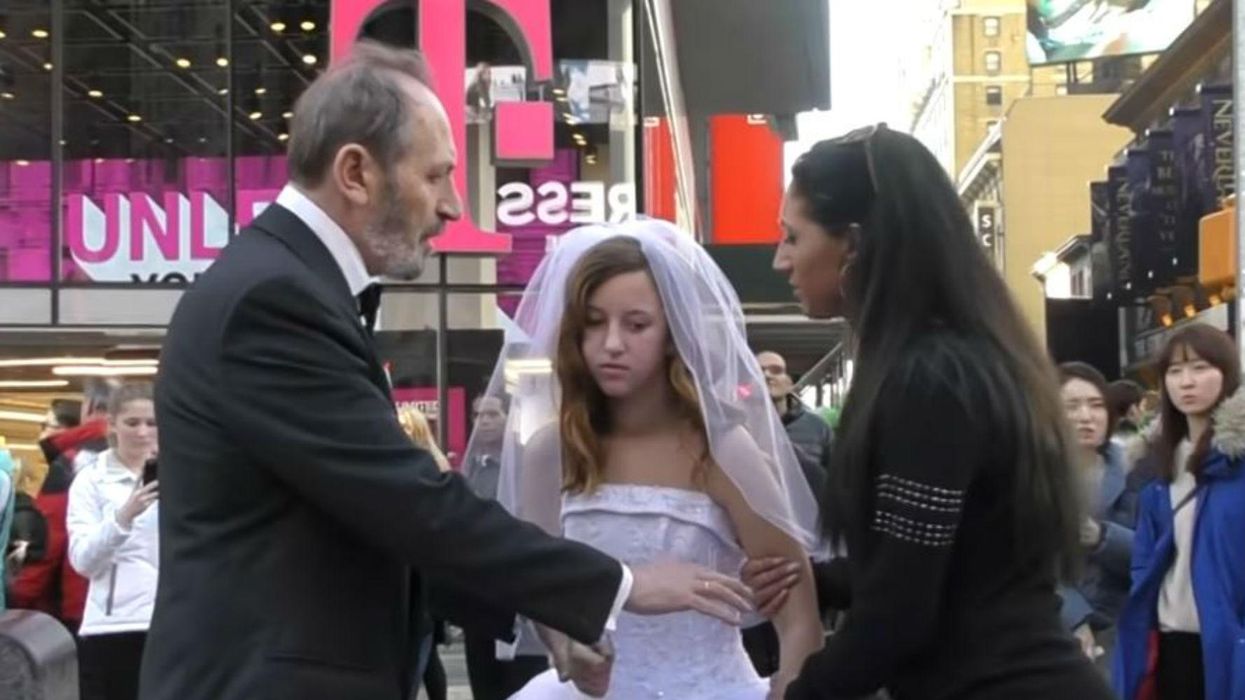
(113, 542)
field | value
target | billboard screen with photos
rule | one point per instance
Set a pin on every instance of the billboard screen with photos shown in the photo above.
(584, 92)
(487, 85)
(1062, 31)
(596, 92)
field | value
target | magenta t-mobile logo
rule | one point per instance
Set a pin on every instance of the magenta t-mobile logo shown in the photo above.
(522, 131)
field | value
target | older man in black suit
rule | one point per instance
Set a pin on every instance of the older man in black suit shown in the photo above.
(300, 530)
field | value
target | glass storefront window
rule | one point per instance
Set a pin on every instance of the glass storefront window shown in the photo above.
(279, 47)
(173, 124)
(26, 212)
(175, 119)
(590, 174)
(408, 346)
(145, 194)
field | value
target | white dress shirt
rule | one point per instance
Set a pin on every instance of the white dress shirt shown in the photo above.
(1177, 608)
(343, 250)
(350, 261)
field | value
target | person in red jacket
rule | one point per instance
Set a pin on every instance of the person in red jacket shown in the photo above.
(50, 584)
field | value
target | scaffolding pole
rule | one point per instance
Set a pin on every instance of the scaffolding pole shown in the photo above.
(1238, 147)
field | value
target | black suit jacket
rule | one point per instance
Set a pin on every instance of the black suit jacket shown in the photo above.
(299, 527)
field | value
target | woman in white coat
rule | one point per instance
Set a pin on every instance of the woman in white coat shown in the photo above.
(113, 542)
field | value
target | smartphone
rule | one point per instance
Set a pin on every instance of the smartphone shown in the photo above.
(149, 471)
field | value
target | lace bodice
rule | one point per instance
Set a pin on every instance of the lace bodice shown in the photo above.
(688, 656)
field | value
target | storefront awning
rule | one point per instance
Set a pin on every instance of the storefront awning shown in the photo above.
(748, 57)
(1174, 74)
(801, 341)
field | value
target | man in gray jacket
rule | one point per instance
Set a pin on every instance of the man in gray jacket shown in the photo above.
(811, 435)
(489, 418)
(492, 678)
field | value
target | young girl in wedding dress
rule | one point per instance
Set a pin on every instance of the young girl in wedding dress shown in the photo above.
(640, 426)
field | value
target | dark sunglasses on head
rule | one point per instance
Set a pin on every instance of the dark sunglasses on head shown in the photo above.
(863, 135)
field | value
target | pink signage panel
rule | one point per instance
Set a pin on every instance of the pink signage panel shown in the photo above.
(523, 131)
(128, 220)
(153, 220)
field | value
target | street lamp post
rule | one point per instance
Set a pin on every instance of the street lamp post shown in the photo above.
(1238, 146)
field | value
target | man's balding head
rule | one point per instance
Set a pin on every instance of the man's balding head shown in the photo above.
(371, 144)
(367, 99)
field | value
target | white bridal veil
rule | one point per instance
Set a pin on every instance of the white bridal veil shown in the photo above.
(745, 434)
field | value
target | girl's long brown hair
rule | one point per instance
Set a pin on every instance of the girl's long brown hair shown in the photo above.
(1217, 348)
(584, 413)
(415, 425)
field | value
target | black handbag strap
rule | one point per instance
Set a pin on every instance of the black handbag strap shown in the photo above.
(1188, 498)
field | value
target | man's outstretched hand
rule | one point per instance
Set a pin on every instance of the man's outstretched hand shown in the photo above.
(588, 667)
(666, 587)
(656, 589)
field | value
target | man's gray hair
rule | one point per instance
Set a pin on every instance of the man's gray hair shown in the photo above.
(97, 394)
(360, 100)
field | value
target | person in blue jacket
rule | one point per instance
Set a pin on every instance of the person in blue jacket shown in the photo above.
(8, 492)
(1181, 634)
(1091, 607)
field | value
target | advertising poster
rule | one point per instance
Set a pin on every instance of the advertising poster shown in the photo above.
(1062, 31)
(487, 85)
(595, 92)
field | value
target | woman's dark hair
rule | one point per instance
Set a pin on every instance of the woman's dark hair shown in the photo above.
(1087, 373)
(97, 394)
(68, 412)
(1217, 348)
(917, 268)
(1123, 394)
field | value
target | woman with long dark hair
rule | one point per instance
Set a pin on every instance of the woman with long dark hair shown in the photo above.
(951, 483)
(1181, 631)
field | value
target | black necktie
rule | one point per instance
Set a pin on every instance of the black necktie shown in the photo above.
(369, 304)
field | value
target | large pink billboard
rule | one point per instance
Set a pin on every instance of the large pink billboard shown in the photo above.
(129, 220)
(165, 220)
(161, 221)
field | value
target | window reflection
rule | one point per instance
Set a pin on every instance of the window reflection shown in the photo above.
(153, 94)
(25, 142)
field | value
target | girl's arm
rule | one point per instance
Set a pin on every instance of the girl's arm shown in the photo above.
(797, 621)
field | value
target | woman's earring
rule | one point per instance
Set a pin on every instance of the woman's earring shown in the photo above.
(843, 278)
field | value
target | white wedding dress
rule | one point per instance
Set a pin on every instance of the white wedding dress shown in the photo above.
(682, 656)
